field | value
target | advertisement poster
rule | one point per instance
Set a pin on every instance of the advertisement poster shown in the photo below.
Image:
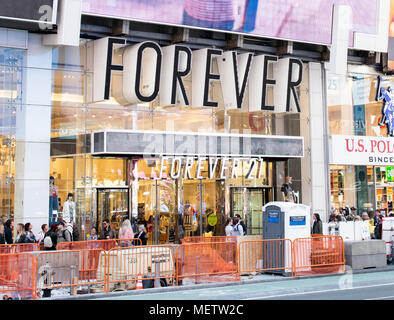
(391, 38)
(297, 20)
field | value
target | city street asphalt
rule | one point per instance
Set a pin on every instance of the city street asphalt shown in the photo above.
(370, 285)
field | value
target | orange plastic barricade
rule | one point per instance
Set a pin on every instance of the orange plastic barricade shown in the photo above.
(207, 262)
(98, 244)
(128, 242)
(65, 271)
(265, 256)
(318, 255)
(124, 266)
(208, 239)
(18, 276)
(19, 248)
(87, 245)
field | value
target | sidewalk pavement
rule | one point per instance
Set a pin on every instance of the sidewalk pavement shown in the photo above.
(258, 278)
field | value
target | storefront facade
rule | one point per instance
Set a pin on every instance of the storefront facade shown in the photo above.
(180, 126)
(239, 160)
(180, 170)
(361, 156)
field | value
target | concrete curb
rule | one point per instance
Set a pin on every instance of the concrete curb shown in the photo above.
(207, 286)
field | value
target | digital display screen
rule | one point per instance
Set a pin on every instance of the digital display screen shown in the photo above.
(29, 10)
(297, 20)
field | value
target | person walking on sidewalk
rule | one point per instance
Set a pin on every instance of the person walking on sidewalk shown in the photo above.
(50, 239)
(238, 231)
(241, 222)
(63, 234)
(142, 235)
(228, 227)
(41, 235)
(317, 227)
(378, 228)
(2, 233)
(93, 234)
(21, 234)
(107, 232)
(8, 227)
(30, 237)
(365, 233)
(126, 232)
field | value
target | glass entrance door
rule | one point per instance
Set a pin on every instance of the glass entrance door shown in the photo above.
(157, 210)
(248, 203)
(112, 204)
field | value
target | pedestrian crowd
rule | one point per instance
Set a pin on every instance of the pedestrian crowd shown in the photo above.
(50, 236)
(372, 226)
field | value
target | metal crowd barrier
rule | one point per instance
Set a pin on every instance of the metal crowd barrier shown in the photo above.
(18, 276)
(68, 269)
(208, 239)
(152, 265)
(110, 267)
(318, 255)
(265, 256)
(207, 262)
(18, 248)
(98, 244)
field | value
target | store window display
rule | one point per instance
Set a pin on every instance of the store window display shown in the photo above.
(53, 201)
(361, 105)
(288, 193)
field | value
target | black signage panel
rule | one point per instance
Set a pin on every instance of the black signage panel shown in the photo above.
(189, 144)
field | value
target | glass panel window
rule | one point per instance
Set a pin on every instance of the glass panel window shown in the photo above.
(352, 107)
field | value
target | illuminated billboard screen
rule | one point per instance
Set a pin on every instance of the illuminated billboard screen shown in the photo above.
(297, 20)
(390, 49)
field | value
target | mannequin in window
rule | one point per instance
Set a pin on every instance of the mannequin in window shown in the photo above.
(53, 201)
(287, 190)
(69, 209)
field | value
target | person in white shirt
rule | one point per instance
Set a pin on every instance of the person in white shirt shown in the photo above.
(365, 234)
(41, 235)
(69, 210)
(229, 227)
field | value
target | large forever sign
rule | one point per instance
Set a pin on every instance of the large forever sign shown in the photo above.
(151, 72)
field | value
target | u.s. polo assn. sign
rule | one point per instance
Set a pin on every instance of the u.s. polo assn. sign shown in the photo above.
(150, 72)
(361, 150)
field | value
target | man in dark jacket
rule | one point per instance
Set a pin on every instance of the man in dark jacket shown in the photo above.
(107, 232)
(75, 232)
(50, 239)
(378, 228)
(8, 227)
(63, 234)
